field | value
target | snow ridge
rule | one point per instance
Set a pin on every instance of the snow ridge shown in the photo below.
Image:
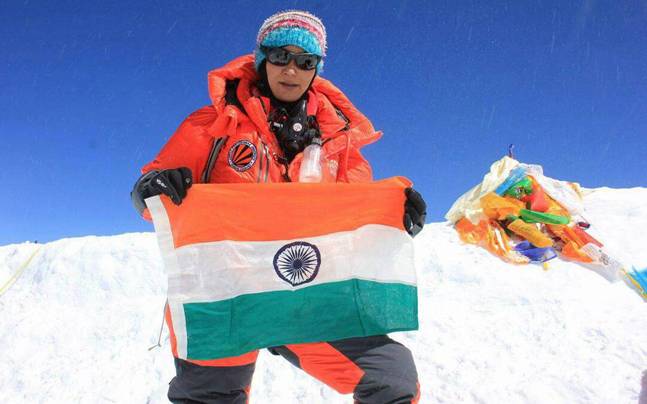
(78, 323)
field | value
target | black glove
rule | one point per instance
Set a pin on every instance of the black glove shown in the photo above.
(172, 183)
(415, 212)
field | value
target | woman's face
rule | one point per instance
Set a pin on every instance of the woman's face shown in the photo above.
(288, 83)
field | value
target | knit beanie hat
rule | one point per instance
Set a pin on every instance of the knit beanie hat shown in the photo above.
(292, 27)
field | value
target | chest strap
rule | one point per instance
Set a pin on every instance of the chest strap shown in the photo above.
(213, 155)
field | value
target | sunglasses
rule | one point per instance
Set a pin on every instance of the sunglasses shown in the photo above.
(282, 57)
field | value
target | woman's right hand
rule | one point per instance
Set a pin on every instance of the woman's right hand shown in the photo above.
(173, 183)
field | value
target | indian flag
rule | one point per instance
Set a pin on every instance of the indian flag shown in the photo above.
(258, 265)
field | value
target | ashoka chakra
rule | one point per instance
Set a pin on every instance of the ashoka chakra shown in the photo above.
(297, 263)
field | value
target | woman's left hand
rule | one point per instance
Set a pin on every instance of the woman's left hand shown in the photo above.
(415, 212)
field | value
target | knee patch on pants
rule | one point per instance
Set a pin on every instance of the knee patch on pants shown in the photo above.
(209, 384)
(376, 369)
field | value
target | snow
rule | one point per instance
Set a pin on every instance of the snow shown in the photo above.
(77, 324)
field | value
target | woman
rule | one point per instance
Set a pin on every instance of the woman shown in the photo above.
(266, 108)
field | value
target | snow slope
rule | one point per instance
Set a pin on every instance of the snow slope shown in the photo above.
(77, 325)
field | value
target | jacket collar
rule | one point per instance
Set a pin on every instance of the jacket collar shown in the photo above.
(324, 100)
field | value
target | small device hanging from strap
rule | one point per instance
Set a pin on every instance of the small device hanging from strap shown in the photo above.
(296, 132)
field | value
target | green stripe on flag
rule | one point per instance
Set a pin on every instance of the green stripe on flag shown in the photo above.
(325, 312)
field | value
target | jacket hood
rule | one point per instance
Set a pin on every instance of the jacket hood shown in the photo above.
(241, 68)
(335, 113)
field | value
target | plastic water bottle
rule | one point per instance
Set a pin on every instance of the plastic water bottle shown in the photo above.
(311, 164)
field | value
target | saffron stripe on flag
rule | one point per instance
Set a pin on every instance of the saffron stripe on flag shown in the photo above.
(283, 211)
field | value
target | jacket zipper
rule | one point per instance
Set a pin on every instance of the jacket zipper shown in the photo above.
(260, 162)
(264, 155)
(267, 161)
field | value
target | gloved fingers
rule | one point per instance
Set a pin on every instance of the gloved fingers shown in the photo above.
(185, 181)
(408, 223)
(164, 185)
(414, 215)
(415, 200)
(177, 179)
(174, 183)
(412, 227)
(187, 178)
(415, 212)
(415, 230)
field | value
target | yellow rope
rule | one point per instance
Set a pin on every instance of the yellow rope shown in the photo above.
(19, 272)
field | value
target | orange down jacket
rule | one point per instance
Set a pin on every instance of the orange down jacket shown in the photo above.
(222, 143)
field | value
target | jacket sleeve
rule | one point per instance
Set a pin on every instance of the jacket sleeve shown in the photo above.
(188, 147)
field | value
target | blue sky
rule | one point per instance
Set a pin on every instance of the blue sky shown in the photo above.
(91, 91)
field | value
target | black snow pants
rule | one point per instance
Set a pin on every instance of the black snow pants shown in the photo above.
(376, 370)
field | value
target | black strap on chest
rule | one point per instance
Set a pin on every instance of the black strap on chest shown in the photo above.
(211, 161)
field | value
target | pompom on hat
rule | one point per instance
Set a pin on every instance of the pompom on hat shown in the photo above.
(292, 27)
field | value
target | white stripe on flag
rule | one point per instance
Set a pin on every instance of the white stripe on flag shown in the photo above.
(167, 250)
(226, 269)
